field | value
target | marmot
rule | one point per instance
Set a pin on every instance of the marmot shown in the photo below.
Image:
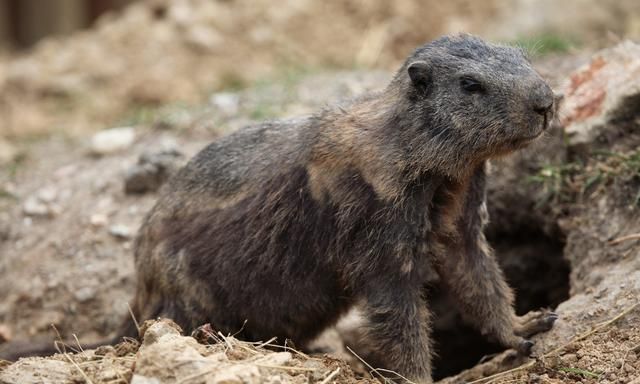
(280, 228)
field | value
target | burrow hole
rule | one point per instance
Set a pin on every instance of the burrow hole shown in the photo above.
(534, 265)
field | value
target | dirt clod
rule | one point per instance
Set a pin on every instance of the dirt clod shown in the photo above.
(152, 170)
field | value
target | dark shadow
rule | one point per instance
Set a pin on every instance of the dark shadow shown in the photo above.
(534, 265)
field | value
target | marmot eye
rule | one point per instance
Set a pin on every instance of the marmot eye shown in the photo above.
(471, 85)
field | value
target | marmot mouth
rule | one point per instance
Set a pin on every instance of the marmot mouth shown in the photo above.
(521, 141)
(532, 137)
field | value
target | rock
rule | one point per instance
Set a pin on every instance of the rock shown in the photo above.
(33, 207)
(103, 350)
(42, 204)
(120, 231)
(152, 170)
(204, 38)
(84, 294)
(227, 103)
(166, 355)
(604, 91)
(569, 359)
(5, 334)
(47, 195)
(181, 14)
(37, 208)
(37, 371)
(108, 375)
(112, 140)
(98, 220)
(142, 178)
(277, 379)
(138, 379)
(236, 374)
(151, 330)
(276, 359)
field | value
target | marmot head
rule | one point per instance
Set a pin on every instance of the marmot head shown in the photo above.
(471, 100)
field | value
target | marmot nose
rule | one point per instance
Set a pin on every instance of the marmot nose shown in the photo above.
(542, 99)
(543, 108)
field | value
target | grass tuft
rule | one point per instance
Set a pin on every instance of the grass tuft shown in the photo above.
(575, 181)
(580, 372)
(545, 44)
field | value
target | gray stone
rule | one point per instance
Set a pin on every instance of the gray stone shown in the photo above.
(112, 140)
(227, 103)
(84, 294)
(152, 170)
(34, 207)
(120, 231)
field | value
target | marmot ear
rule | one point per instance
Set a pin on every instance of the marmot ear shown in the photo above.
(419, 74)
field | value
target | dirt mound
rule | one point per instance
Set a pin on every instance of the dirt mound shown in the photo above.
(165, 356)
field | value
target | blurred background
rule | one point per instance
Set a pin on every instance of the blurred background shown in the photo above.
(77, 65)
(101, 100)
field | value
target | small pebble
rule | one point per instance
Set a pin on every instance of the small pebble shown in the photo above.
(569, 358)
(120, 231)
(34, 207)
(108, 374)
(227, 103)
(152, 170)
(84, 294)
(98, 220)
(5, 333)
(112, 140)
(47, 195)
